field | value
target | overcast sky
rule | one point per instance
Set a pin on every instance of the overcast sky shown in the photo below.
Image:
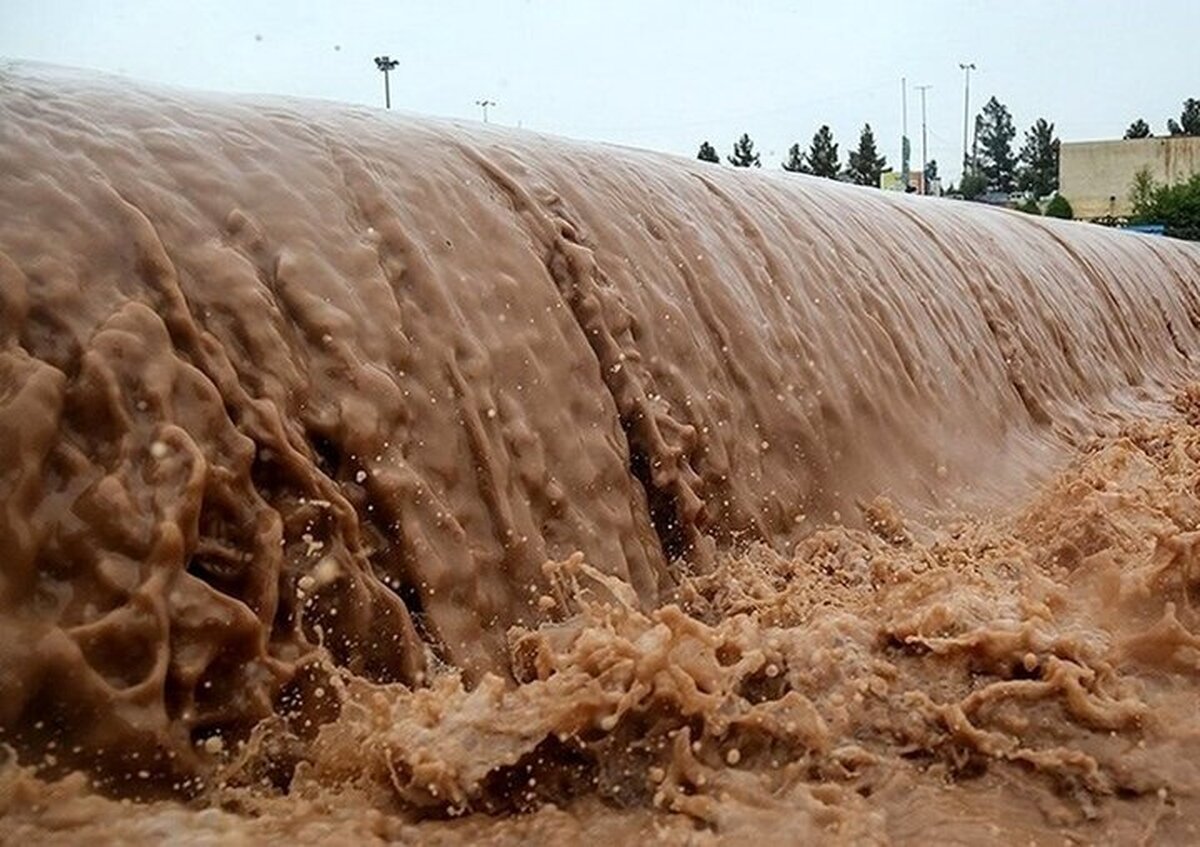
(663, 75)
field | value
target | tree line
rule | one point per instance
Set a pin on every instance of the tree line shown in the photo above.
(992, 164)
(1188, 123)
(863, 167)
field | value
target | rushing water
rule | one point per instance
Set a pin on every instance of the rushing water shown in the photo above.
(365, 475)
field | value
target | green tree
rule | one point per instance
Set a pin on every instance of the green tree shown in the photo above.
(1141, 194)
(1030, 207)
(1058, 207)
(996, 134)
(1176, 207)
(708, 153)
(795, 160)
(743, 153)
(823, 154)
(1189, 119)
(1138, 129)
(865, 163)
(972, 185)
(1038, 171)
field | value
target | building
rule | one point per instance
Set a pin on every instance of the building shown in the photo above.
(1095, 176)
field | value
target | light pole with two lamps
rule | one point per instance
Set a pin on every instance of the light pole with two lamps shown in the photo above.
(386, 64)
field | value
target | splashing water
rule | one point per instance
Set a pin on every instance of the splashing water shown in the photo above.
(372, 477)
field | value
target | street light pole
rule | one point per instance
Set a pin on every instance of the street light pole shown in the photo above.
(924, 142)
(386, 65)
(966, 67)
(905, 170)
(483, 104)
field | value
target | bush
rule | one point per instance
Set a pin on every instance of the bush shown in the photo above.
(1059, 208)
(1030, 207)
(972, 185)
(1141, 193)
(1176, 207)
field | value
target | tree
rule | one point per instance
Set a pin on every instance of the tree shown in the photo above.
(931, 171)
(996, 134)
(1058, 207)
(1038, 172)
(1030, 207)
(973, 184)
(1176, 207)
(823, 154)
(795, 160)
(708, 154)
(1141, 194)
(865, 163)
(743, 153)
(1189, 119)
(1138, 129)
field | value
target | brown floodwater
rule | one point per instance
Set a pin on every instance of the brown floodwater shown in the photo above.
(365, 476)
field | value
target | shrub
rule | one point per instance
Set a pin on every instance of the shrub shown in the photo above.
(1176, 207)
(972, 185)
(1059, 208)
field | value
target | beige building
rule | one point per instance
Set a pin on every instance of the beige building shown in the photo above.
(1095, 176)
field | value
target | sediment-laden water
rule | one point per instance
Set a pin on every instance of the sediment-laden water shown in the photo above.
(371, 476)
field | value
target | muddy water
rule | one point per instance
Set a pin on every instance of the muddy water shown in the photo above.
(367, 476)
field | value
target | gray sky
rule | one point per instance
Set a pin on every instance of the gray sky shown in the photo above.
(663, 75)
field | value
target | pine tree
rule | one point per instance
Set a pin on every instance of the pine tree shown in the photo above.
(1138, 129)
(743, 153)
(708, 153)
(996, 134)
(795, 160)
(1189, 120)
(823, 154)
(1038, 173)
(865, 163)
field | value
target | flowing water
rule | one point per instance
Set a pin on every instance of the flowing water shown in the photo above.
(372, 477)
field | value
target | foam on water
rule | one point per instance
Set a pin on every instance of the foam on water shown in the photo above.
(301, 397)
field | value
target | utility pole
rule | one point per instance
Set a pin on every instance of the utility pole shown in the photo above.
(975, 143)
(386, 65)
(924, 142)
(483, 104)
(966, 69)
(905, 169)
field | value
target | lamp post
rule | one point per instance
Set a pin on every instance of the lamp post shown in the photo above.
(483, 104)
(904, 147)
(966, 68)
(386, 65)
(924, 142)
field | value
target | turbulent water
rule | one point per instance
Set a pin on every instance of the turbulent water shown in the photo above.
(365, 476)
